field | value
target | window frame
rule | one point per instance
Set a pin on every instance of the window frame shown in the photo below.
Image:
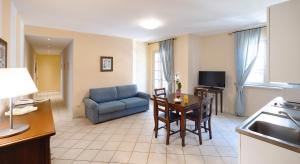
(266, 79)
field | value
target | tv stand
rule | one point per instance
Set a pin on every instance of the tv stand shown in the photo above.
(214, 90)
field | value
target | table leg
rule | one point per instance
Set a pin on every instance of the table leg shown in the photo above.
(221, 101)
(182, 127)
(216, 94)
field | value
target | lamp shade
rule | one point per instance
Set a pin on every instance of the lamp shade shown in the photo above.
(15, 82)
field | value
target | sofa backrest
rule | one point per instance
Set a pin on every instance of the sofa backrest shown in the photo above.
(103, 94)
(126, 91)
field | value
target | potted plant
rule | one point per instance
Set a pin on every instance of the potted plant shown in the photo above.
(178, 86)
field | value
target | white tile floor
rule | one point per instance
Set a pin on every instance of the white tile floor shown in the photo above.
(131, 140)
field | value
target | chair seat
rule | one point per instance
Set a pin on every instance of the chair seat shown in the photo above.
(173, 116)
(193, 116)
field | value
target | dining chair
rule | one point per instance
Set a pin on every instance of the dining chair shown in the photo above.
(161, 92)
(162, 113)
(201, 92)
(202, 115)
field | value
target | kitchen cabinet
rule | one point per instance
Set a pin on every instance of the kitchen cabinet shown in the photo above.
(284, 42)
(259, 152)
(269, 136)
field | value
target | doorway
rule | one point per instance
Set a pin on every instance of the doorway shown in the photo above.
(48, 74)
(49, 61)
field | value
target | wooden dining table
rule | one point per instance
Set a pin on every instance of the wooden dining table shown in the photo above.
(183, 107)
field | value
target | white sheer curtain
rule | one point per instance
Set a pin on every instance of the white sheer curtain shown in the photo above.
(166, 50)
(246, 50)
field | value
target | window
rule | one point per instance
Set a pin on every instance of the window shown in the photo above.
(258, 74)
(158, 76)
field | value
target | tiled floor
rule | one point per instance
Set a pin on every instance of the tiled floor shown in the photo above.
(131, 140)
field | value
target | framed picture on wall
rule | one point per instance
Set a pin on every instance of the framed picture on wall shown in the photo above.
(106, 64)
(3, 53)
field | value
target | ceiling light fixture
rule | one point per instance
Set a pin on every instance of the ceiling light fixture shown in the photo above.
(150, 24)
(49, 39)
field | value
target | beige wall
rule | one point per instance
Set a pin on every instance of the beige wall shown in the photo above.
(195, 51)
(67, 55)
(87, 49)
(49, 73)
(140, 66)
(181, 60)
(218, 55)
(29, 57)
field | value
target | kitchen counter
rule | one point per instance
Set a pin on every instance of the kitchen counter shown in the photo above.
(269, 126)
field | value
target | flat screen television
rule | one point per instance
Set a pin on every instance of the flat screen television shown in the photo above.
(212, 78)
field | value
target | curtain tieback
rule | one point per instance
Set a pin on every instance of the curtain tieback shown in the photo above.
(239, 88)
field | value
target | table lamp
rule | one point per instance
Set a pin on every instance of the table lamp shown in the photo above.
(14, 82)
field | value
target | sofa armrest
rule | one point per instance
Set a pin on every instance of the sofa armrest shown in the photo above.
(91, 109)
(143, 95)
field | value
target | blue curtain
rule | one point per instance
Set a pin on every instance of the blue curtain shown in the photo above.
(246, 50)
(167, 58)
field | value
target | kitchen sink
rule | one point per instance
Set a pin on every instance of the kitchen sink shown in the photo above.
(287, 134)
(277, 123)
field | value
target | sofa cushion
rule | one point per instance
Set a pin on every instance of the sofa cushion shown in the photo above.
(126, 91)
(110, 107)
(134, 102)
(103, 94)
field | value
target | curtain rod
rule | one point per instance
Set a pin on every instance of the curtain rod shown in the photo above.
(246, 29)
(159, 41)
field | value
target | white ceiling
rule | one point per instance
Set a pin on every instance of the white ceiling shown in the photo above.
(122, 17)
(43, 46)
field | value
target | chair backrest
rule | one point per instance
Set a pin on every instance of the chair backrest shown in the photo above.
(161, 105)
(201, 92)
(206, 105)
(204, 108)
(160, 92)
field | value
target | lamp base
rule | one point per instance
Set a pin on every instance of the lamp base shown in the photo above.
(18, 128)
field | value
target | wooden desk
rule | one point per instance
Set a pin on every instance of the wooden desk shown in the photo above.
(32, 146)
(183, 108)
(216, 92)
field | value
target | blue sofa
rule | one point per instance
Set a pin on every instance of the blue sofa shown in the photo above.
(109, 103)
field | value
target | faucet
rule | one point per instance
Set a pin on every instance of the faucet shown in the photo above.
(290, 117)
